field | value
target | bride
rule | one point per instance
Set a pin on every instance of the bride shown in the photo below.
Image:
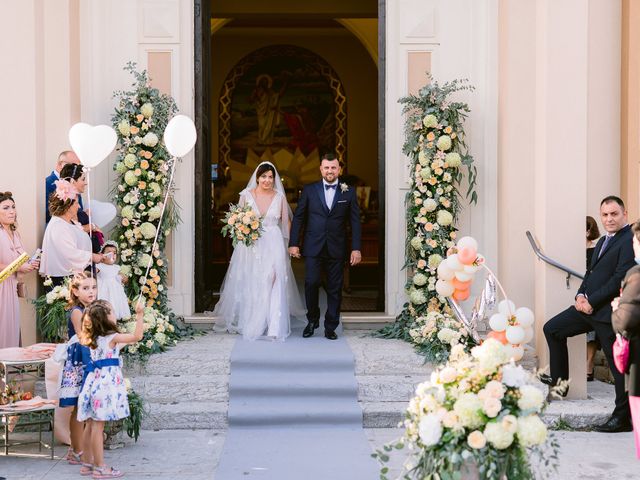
(259, 291)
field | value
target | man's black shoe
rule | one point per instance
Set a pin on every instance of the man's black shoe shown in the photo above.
(615, 425)
(546, 379)
(330, 334)
(310, 328)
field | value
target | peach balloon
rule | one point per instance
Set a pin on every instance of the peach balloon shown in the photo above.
(499, 336)
(467, 255)
(461, 295)
(458, 285)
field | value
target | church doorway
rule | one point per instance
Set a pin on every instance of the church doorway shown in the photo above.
(286, 82)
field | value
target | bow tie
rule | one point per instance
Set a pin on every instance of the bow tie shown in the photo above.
(329, 187)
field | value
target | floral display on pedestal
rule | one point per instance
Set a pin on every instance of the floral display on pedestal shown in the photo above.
(435, 146)
(479, 413)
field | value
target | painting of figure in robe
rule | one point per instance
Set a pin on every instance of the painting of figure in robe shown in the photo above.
(282, 101)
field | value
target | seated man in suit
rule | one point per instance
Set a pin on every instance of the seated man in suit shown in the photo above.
(49, 183)
(612, 257)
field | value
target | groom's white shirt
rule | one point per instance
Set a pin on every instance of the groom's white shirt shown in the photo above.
(329, 193)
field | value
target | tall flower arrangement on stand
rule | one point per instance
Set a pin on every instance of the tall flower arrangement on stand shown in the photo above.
(435, 146)
(143, 167)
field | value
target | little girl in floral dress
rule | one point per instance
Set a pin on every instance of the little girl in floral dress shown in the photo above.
(82, 293)
(104, 395)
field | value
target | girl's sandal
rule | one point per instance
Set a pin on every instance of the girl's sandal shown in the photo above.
(73, 458)
(106, 472)
(86, 469)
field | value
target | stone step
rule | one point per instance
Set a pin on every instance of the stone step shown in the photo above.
(350, 320)
(215, 388)
(213, 415)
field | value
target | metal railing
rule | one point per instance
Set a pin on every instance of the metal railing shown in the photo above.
(551, 261)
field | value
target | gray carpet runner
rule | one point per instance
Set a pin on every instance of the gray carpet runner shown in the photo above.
(294, 413)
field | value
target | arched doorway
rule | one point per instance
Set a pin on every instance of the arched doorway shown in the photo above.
(237, 60)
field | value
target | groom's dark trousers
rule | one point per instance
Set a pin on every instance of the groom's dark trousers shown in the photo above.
(325, 245)
(601, 285)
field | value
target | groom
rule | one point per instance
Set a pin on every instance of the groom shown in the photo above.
(324, 209)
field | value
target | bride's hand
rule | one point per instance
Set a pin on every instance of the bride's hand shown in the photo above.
(294, 252)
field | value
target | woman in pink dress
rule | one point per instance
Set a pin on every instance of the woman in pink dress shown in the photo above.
(10, 248)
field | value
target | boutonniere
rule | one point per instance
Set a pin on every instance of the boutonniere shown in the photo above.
(344, 187)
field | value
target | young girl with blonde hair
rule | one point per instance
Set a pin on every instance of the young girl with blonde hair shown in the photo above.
(82, 292)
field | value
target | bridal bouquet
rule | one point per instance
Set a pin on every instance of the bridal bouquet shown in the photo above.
(242, 225)
(479, 414)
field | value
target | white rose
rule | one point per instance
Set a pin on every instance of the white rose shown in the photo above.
(510, 423)
(492, 407)
(446, 335)
(430, 430)
(419, 279)
(531, 398)
(444, 218)
(476, 440)
(448, 375)
(491, 354)
(514, 376)
(498, 436)
(430, 204)
(531, 431)
(150, 139)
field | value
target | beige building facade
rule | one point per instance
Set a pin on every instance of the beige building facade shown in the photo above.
(553, 128)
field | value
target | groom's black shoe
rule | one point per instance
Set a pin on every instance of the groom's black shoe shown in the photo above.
(310, 328)
(615, 425)
(330, 334)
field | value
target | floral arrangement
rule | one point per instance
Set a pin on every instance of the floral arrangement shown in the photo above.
(435, 145)
(159, 333)
(51, 312)
(143, 166)
(143, 171)
(478, 412)
(242, 225)
(436, 333)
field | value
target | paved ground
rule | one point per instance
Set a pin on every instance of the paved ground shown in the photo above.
(185, 454)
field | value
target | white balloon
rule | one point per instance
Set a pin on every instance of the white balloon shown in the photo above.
(498, 322)
(507, 307)
(525, 316)
(515, 334)
(528, 335)
(453, 262)
(444, 288)
(444, 272)
(516, 352)
(92, 144)
(471, 269)
(468, 242)
(180, 135)
(462, 276)
(102, 212)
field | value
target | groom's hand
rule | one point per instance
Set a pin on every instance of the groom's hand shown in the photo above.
(356, 257)
(294, 252)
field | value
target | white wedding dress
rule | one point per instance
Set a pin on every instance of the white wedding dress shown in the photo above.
(259, 292)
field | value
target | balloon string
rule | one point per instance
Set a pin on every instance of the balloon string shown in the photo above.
(90, 223)
(504, 294)
(155, 240)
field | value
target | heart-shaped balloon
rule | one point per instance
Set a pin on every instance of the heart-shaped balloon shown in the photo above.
(180, 135)
(102, 213)
(92, 144)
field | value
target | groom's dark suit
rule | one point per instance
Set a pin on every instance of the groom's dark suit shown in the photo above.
(600, 286)
(325, 231)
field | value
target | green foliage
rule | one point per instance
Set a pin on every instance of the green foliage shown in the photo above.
(137, 410)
